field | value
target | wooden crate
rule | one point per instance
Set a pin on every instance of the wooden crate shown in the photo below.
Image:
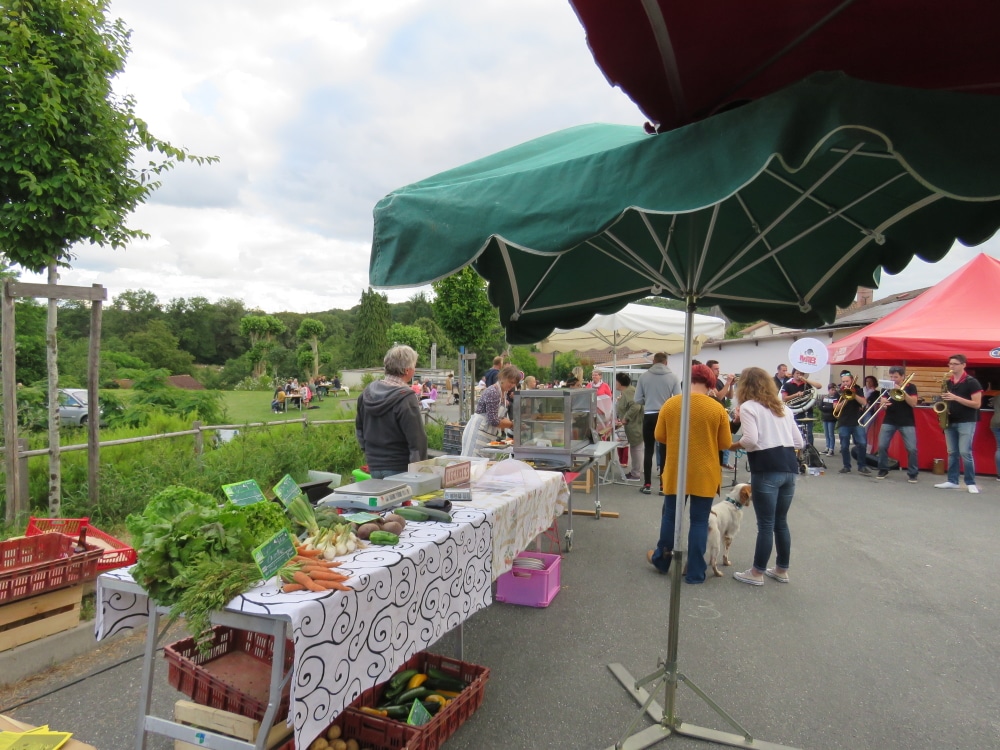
(27, 620)
(224, 722)
(585, 481)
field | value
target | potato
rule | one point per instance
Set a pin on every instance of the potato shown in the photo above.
(394, 517)
(393, 527)
(333, 732)
(352, 744)
(338, 745)
(365, 530)
(319, 743)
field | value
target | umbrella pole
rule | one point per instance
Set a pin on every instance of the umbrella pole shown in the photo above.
(667, 672)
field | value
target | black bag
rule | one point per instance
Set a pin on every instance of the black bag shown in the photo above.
(811, 458)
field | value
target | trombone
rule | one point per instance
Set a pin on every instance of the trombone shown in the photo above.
(846, 395)
(880, 404)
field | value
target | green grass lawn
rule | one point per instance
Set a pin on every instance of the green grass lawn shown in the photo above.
(255, 406)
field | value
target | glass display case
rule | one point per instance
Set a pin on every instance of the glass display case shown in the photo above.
(551, 425)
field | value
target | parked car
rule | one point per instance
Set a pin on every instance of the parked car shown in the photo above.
(73, 407)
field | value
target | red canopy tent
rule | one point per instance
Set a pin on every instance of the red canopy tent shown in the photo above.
(959, 314)
(683, 60)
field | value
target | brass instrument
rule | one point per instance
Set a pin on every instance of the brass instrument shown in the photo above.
(846, 395)
(879, 405)
(802, 401)
(940, 405)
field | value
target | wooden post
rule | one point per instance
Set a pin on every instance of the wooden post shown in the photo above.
(22, 472)
(199, 441)
(93, 407)
(52, 375)
(7, 356)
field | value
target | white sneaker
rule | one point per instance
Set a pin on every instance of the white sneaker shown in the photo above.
(973, 489)
(947, 486)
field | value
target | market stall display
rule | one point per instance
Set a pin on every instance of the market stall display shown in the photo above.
(412, 592)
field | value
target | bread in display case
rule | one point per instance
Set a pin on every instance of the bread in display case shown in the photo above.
(550, 425)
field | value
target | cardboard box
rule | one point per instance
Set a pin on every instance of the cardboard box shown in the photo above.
(439, 464)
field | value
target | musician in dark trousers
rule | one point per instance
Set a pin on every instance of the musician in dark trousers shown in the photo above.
(826, 405)
(964, 396)
(796, 388)
(898, 418)
(852, 403)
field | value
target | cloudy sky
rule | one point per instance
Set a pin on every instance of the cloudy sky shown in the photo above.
(317, 109)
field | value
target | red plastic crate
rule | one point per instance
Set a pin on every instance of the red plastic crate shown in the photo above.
(446, 721)
(534, 588)
(116, 554)
(373, 732)
(31, 565)
(234, 675)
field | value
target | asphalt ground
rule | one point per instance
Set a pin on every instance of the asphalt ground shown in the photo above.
(887, 636)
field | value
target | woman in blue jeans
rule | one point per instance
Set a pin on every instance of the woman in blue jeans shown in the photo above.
(770, 438)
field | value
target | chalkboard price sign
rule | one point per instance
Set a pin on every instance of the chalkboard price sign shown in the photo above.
(244, 493)
(274, 554)
(287, 489)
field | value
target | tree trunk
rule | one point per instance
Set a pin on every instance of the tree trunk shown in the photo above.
(52, 367)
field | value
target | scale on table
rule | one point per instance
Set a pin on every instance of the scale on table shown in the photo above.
(370, 494)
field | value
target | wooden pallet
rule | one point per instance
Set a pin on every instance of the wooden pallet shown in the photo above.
(585, 481)
(224, 722)
(27, 620)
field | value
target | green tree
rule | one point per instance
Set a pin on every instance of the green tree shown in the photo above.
(417, 306)
(520, 357)
(370, 340)
(131, 312)
(29, 340)
(413, 336)
(261, 331)
(159, 347)
(310, 331)
(74, 162)
(463, 310)
(563, 365)
(436, 335)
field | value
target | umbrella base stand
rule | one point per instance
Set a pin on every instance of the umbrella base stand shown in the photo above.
(668, 725)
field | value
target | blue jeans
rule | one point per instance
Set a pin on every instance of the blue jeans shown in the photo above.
(860, 442)
(830, 433)
(996, 458)
(772, 497)
(909, 442)
(701, 508)
(959, 436)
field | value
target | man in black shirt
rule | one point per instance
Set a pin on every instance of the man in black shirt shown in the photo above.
(964, 397)
(848, 427)
(795, 386)
(899, 418)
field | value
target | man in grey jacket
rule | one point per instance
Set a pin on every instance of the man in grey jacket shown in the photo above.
(654, 387)
(388, 425)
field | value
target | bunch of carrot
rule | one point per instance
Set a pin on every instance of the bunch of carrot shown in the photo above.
(308, 571)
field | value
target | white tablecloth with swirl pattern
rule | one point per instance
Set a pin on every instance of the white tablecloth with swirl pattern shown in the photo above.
(405, 597)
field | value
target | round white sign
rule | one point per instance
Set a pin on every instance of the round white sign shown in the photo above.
(808, 355)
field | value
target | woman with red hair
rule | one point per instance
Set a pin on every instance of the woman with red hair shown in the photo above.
(709, 434)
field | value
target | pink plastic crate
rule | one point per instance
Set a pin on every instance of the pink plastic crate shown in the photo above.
(532, 588)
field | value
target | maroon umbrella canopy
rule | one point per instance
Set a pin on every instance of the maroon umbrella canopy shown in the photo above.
(683, 60)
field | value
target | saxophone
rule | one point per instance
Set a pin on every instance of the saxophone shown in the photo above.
(940, 405)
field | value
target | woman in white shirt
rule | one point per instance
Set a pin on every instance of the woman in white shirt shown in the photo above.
(770, 438)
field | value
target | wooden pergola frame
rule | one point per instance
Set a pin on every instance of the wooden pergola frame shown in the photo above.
(12, 290)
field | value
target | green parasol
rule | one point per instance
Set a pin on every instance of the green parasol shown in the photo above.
(777, 210)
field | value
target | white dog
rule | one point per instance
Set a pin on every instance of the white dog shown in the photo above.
(726, 516)
(713, 548)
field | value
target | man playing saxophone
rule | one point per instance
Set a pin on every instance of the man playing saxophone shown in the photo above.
(964, 396)
(898, 404)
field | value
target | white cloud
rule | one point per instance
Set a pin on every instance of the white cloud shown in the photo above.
(319, 108)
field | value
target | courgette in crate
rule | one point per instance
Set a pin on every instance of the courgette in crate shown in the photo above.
(439, 680)
(418, 693)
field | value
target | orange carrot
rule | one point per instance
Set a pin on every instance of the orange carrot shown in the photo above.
(314, 561)
(290, 587)
(301, 578)
(310, 553)
(335, 585)
(325, 575)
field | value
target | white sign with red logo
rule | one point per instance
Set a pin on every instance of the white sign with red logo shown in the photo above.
(808, 355)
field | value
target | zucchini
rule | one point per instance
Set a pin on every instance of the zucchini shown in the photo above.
(397, 684)
(411, 514)
(386, 538)
(399, 713)
(417, 693)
